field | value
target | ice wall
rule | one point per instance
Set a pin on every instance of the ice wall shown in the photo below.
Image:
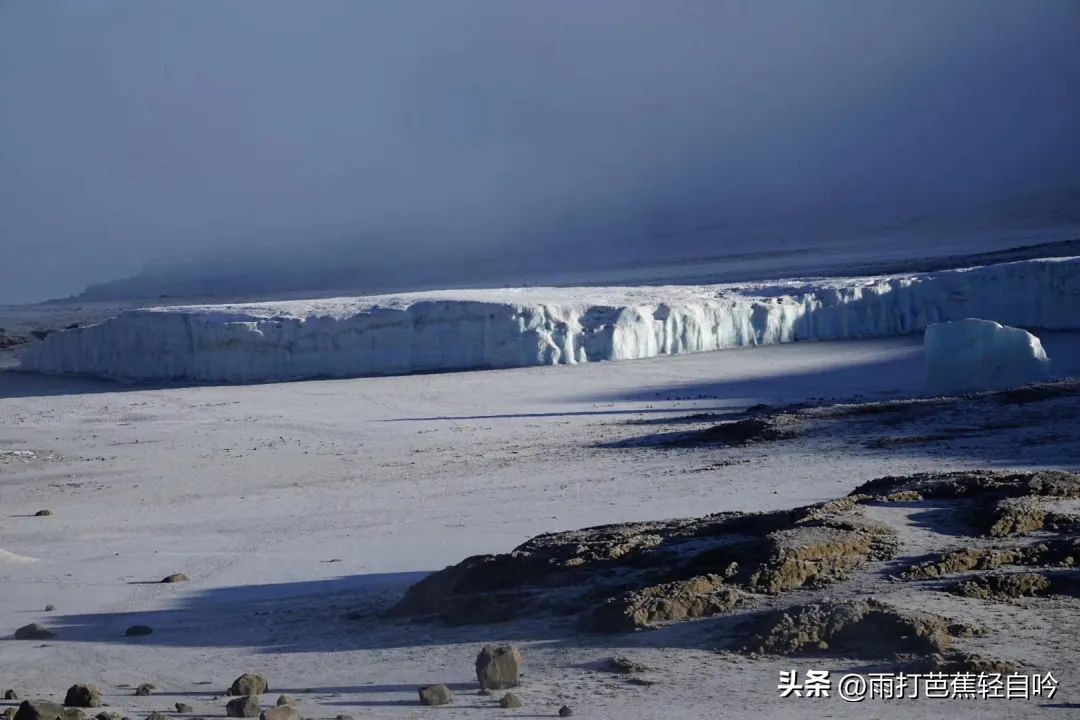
(971, 355)
(453, 330)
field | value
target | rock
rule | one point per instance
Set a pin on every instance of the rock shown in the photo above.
(50, 607)
(9, 714)
(11, 695)
(286, 700)
(33, 631)
(83, 696)
(249, 684)
(435, 695)
(1004, 587)
(344, 717)
(136, 630)
(280, 712)
(184, 708)
(145, 689)
(108, 715)
(43, 710)
(624, 665)
(667, 602)
(510, 700)
(565, 711)
(855, 628)
(484, 692)
(175, 578)
(498, 667)
(157, 716)
(245, 706)
(43, 513)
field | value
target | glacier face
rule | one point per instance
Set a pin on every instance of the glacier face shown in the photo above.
(466, 329)
(971, 355)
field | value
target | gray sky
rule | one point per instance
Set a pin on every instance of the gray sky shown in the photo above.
(399, 132)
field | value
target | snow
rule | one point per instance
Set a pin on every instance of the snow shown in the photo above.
(505, 328)
(255, 490)
(971, 355)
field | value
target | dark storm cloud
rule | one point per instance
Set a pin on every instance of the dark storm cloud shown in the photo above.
(142, 132)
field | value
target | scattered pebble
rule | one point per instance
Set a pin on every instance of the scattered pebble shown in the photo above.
(510, 700)
(43, 513)
(184, 708)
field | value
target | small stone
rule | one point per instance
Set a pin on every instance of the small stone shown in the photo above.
(107, 715)
(249, 684)
(624, 665)
(498, 667)
(184, 708)
(157, 716)
(145, 689)
(245, 706)
(510, 700)
(483, 691)
(435, 695)
(285, 700)
(83, 696)
(175, 578)
(50, 607)
(280, 712)
(344, 717)
(136, 630)
(33, 631)
(565, 711)
(11, 695)
(43, 513)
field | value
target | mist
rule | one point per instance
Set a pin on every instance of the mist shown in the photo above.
(418, 142)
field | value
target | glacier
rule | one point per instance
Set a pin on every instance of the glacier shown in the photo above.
(516, 327)
(972, 354)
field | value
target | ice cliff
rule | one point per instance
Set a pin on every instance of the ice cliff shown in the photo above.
(462, 329)
(971, 355)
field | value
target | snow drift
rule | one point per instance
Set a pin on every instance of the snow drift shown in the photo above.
(465, 329)
(971, 355)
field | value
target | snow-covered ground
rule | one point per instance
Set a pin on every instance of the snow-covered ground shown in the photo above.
(290, 505)
(463, 329)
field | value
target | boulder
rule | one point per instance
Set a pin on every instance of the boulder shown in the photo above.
(435, 695)
(83, 696)
(33, 631)
(565, 711)
(145, 689)
(43, 710)
(249, 684)
(498, 667)
(280, 712)
(245, 706)
(11, 695)
(175, 578)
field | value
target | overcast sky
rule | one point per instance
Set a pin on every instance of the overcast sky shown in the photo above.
(140, 132)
